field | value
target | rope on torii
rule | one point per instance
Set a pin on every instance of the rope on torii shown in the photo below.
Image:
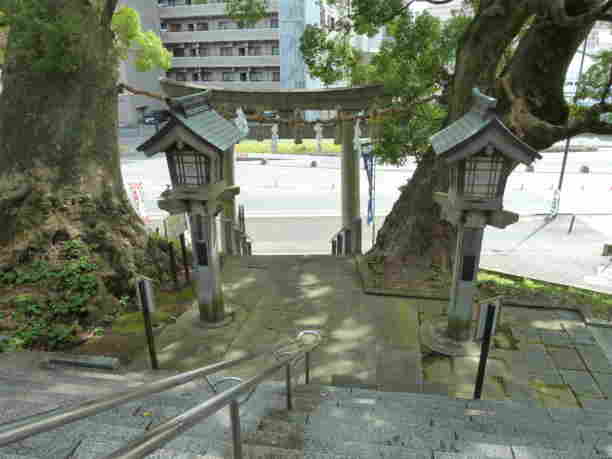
(374, 114)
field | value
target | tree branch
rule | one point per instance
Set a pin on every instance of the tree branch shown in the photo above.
(557, 12)
(109, 10)
(141, 92)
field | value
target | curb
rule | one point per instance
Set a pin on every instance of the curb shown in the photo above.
(584, 310)
(85, 361)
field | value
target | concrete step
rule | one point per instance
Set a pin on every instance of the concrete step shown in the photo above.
(359, 450)
(95, 449)
(254, 451)
(276, 433)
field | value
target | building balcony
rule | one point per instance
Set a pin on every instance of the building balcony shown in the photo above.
(221, 35)
(206, 10)
(247, 85)
(226, 61)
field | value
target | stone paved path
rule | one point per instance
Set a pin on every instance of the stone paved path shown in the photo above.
(542, 357)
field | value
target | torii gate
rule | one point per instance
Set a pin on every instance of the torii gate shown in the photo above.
(347, 101)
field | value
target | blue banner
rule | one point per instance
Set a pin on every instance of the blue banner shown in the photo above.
(368, 162)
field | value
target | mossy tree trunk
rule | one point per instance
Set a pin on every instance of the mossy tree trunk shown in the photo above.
(60, 173)
(529, 90)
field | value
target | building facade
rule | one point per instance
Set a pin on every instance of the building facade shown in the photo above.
(130, 107)
(210, 47)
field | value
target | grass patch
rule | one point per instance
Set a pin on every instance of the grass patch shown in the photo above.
(309, 146)
(538, 292)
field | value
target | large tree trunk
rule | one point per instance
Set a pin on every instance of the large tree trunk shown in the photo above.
(60, 174)
(533, 105)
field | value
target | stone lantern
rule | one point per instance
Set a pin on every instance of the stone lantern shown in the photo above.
(481, 153)
(197, 142)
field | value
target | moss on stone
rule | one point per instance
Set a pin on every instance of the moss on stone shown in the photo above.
(133, 322)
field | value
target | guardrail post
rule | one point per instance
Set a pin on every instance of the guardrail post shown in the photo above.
(571, 227)
(147, 304)
(288, 376)
(184, 253)
(173, 267)
(307, 369)
(235, 418)
(484, 351)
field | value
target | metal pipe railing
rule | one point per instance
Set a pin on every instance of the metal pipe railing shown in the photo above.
(169, 430)
(26, 427)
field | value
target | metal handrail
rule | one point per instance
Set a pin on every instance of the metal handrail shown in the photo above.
(20, 429)
(169, 430)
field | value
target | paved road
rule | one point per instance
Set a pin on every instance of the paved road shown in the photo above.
(293, 208)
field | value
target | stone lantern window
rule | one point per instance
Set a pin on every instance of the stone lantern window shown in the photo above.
(188, 168)
(481, 177)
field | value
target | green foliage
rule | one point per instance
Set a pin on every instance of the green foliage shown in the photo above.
(128, 32)
(245, 11)
(413, 66)
(490, 284)
(48, 41)
(52, 320)
(328, 57)
(595, 79)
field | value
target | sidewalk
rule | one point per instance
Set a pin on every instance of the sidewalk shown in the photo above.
(546, 251)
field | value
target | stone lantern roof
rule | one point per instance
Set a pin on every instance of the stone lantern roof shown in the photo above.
(193, 113)
(477, 129)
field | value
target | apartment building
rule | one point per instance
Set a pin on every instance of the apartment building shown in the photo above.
(210, 47)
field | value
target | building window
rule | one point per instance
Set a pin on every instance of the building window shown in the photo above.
(274, 23)
(299, 84)
(244, 76)
(224, 25)
(207, 76)
(194, 52)
(179, 52)
(275, 76)
(242, 51)
(202, 25)
(181, 76)
(255, 51)
(204, 51)
(196, 77)
(190, 27)
(227, 51)
(246, 25)
(163, 26)
(229, 76)
(275, 51)
(332, 23)
(257, 76)
(175, 27)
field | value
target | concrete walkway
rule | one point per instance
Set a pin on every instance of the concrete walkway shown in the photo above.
(369, 341)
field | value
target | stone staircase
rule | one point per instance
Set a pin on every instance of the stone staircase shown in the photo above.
(326, 423)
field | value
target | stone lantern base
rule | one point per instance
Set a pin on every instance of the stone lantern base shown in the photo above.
(229, 318)
(434, 336)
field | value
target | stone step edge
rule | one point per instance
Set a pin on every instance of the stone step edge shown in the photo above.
(84, 361)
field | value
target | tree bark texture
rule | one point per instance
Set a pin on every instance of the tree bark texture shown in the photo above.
(529, 90)
(60, 173)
